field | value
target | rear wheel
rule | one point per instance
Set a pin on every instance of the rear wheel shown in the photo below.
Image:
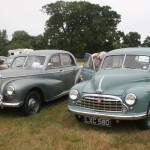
(145, 123)
(32, 103)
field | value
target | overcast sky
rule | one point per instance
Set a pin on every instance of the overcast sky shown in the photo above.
(27, 15)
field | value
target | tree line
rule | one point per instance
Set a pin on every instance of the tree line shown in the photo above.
(77, 27)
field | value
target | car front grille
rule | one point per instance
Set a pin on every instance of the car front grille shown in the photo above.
(102, 103)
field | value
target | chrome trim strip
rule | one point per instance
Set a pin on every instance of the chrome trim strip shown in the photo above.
(104, 115)
(100, 84)
(62, 94)
(22, 76)
(107, 96)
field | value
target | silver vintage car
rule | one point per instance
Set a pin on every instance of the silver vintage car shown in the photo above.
(44, 76)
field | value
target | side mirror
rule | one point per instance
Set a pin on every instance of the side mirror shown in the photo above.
(8, 65)
(49, 65)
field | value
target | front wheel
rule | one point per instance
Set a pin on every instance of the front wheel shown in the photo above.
(145, 123)
(32, 103)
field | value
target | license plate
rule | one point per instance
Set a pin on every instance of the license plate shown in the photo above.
(97, 121)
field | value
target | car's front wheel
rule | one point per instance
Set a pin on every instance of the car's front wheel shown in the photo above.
(32, 103)
(145, 123)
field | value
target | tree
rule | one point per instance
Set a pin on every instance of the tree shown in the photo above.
(20, 39)
(146, 42)
(3, 42)
(80, 27)
(38, 42)
(132, 39)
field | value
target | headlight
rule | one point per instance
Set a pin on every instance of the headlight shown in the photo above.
(130, 99)
(10, 90)
(73, 94)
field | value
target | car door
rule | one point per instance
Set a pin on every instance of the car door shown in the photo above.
(88, 68)
(53, 76)
(69, 70)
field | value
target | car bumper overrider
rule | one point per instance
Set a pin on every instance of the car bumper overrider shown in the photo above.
(110, 115)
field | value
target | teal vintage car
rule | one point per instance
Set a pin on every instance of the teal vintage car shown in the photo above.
(119, 90)
(40, 76)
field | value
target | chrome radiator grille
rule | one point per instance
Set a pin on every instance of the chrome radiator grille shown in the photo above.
(101, 103)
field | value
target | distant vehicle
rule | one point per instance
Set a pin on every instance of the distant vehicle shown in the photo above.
(7, 62)
(14, 52)
(2, 58)
(45, 75)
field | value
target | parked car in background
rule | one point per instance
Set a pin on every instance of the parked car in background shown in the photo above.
(45, 75)
(2, 58)
(7, 62)
(120, 90)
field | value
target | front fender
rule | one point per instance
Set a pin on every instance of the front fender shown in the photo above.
(142, 94)
(49, 87)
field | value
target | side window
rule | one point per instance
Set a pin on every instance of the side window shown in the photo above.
(35, 61)
(56, 61)
(67, 60)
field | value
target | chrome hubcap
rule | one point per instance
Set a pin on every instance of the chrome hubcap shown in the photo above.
(33, 105)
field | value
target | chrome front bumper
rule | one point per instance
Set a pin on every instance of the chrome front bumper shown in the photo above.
(4, 104)
(116, 116)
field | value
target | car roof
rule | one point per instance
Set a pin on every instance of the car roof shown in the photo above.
(45, 52)
(42, 52)
(131, 51)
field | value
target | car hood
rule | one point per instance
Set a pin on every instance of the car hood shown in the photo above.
(18, 72)
(116, 81)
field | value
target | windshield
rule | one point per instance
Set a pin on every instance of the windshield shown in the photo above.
(19, 61)
(128, 61)
(35, 62)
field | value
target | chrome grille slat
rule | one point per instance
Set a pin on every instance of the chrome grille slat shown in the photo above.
(101, 103)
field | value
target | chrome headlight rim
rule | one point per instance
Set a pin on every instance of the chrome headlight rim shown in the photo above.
(74, 94)
(10, 90)
(130, 99)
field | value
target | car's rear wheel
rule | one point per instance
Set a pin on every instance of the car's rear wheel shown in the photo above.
(145, 123)
(32, 103)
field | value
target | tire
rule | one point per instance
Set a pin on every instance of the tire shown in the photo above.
(32, 103)
(145, 123)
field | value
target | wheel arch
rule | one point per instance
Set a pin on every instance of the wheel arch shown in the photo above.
(38, 90)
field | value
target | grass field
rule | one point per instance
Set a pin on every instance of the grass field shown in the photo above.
(54, 128)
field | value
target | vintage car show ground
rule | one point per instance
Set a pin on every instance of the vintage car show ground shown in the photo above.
(54, 128)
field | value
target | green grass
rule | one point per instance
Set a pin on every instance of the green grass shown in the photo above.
(54, 128)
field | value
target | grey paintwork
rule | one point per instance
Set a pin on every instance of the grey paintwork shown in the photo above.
(52, 83)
